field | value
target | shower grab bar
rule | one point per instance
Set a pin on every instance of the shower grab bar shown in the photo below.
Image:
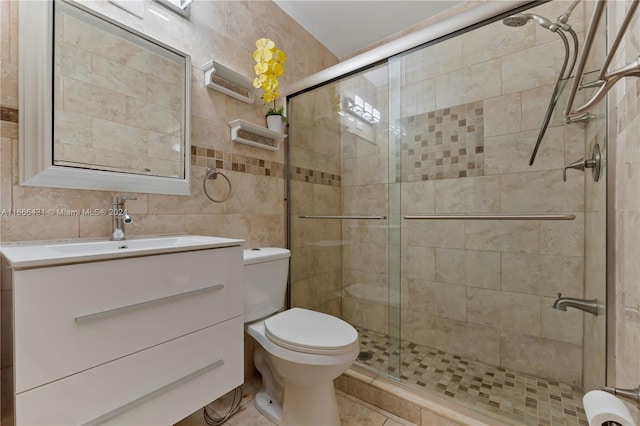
(491, 217)
(356, 217)
(608, 78)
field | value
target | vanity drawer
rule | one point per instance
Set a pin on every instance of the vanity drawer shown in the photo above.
(157, 386)
(65, 323)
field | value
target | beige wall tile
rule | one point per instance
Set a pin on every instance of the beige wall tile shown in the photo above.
(449, 234)
(504, 310)
(93, 100)
(112, 136)
(418, 295)
(23, 228)
(152, 117)
(163, 93)
(82, 35)
(483, 269)
(95, 226)
(119, 77)
(364, 199)
(468, 340)
(533, 67)
(511, 153)
(469, 84)
(476, 195)
(495, 41)
(372, 316)
(542, 357)
(451, 266)
(419, 263)
(451, 301)
(366, 257)
(418, 327)
(564, 326)
(419, 233)
(157, 224)
(318, 290)
(542, 275)
(564, 238)
(535, 102)
(420, 97)
(505, 236)
(72, 128)
(441, 58)
(8, 129)
(418, 197)
(73, 62)
(503, 115)
(522, 192)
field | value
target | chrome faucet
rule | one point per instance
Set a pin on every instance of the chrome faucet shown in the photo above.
(562, 303)
(119, 217)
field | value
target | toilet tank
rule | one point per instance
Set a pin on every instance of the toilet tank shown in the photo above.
(265, 281)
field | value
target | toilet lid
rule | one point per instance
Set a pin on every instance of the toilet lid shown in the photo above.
(310, 332)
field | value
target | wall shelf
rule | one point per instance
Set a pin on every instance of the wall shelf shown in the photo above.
(225, 80)
(254, 135)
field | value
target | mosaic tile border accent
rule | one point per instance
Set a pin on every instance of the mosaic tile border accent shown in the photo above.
(508, 393)
(8, 114)
(207, 157)
(444, 144)
(314, 176)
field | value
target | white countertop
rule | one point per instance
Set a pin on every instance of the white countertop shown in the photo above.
(31, 254)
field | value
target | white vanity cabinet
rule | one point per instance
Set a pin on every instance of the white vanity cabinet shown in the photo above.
(142, 340)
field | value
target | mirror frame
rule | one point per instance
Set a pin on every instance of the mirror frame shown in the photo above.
(36, 168)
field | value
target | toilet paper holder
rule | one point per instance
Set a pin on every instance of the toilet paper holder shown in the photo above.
(629, 394)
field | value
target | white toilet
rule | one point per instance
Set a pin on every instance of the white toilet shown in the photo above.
(301, 351)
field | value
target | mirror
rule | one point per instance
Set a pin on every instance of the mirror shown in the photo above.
(102, 106)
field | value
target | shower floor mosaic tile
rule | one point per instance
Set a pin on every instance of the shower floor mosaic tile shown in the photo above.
(520, 397)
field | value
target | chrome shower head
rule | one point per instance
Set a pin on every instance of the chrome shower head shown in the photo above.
(519, 19)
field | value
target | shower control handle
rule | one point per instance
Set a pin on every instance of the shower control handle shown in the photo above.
(577, 165)
(593, 163)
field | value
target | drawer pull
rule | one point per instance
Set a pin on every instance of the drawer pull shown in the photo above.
(141, 400)
(120, 309)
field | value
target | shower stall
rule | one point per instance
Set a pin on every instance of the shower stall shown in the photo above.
(415, 216)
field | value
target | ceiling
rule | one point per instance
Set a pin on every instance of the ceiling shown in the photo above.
(347, 26)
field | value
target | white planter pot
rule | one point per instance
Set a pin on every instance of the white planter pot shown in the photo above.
(274, 122)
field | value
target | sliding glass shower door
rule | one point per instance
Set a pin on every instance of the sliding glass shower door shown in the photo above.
(415, 216)
(339, 207)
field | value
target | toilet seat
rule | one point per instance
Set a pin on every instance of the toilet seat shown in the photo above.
(310, 332)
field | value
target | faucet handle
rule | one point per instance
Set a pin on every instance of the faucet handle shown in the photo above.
(591, 163)
(578, 165)
(120, 199)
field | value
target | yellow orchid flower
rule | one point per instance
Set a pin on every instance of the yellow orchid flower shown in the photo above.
(268, 67)
(268, 97)
(277, 69)
(280, 56)
(265, 43)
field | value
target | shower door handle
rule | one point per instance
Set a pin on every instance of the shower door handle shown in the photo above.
(356, 217)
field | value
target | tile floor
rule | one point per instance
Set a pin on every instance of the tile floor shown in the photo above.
(353, 412)
(494, 390)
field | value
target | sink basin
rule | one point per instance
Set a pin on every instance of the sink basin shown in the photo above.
(41, 253)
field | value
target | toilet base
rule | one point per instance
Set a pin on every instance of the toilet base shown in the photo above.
(314, 405)
(268, 407)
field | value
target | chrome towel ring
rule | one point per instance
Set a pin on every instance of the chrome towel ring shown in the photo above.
(212, 173)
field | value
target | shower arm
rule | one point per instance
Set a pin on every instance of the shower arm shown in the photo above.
(554, 98)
